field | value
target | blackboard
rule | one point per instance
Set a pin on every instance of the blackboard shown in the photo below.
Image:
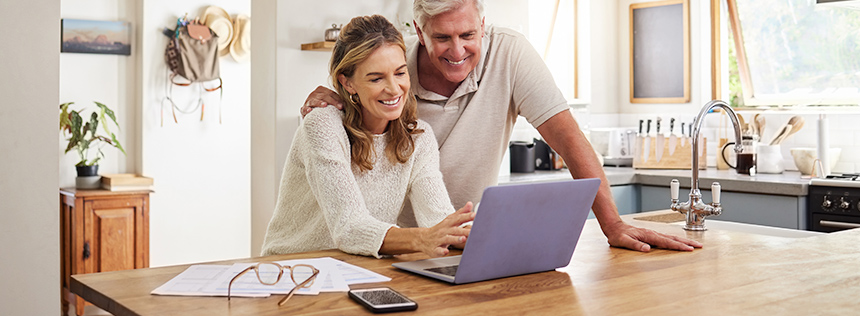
(660, 52)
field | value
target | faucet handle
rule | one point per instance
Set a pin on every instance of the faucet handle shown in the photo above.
(673, 187)
(715, 193)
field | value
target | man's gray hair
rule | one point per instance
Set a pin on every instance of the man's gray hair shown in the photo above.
(423, 10)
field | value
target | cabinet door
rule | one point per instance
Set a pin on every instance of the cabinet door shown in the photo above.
(759, 209)
(626, 198)
(114, 228)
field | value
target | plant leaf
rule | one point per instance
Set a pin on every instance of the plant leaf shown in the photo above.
(117, 144)
(93, 125)
(75, 129)
(64, 116)
(105, 110)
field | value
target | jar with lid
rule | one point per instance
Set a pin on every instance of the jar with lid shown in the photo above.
(332, 33)
(746, 160)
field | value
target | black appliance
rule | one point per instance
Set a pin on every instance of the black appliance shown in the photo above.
(833, 203)
(522, 156)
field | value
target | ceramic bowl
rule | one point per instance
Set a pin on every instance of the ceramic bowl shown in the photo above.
(804, 158)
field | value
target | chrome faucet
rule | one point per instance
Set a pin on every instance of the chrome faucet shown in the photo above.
(695, 210)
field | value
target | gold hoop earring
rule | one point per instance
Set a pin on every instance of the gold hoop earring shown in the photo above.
(353, 98)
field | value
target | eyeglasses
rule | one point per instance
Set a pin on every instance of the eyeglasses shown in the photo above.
(269, 273)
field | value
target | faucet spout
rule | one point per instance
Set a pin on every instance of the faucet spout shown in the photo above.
(698, 127)
(695, 210)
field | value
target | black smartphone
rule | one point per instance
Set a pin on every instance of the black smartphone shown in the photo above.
(383, 300)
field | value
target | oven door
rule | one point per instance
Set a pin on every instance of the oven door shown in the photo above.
(832, 222)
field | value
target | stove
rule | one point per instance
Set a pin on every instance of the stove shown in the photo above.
(833, 203)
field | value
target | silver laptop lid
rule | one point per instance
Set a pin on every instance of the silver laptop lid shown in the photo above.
(526, 228)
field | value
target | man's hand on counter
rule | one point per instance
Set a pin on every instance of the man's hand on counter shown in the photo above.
(627, 236)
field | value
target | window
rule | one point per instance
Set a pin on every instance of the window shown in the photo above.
(552, 31)
(794, 52)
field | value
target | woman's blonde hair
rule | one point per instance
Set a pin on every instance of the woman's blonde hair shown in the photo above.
(356, 42)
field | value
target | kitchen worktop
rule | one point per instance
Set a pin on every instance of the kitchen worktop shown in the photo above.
(735, 273)
(787, 183)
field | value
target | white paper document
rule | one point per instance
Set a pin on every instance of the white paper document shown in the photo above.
(194, 280)
(213, 280)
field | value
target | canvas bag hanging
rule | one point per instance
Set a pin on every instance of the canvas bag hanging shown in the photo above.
(192, 53)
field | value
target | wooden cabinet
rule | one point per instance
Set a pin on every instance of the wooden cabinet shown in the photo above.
(101, 231)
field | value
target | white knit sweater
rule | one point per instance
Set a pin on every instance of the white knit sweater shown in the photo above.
(325, 202)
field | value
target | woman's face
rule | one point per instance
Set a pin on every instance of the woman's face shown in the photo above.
(382, 84)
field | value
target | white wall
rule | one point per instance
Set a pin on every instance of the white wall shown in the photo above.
(30, 224)
(201, 207)
(85, 78)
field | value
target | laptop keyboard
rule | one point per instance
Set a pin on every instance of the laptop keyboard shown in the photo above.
(449, 270)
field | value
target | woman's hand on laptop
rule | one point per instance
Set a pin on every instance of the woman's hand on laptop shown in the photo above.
(435, 240)
(623, 235)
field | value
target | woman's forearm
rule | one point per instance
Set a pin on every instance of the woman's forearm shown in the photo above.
(401, 240)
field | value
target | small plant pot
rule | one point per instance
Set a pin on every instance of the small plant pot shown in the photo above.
(87, 171)
(88, 177)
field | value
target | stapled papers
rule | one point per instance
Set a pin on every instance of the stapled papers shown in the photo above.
(213, 280)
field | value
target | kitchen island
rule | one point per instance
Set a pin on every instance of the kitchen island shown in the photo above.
(736, 273)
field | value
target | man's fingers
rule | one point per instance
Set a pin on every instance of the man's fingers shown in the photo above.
(631, 243)
(323, 96)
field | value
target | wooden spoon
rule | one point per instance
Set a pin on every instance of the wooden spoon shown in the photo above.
(796, 124)
(759, 123)
(783, 132)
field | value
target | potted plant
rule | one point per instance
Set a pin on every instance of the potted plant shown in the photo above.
(83, 136)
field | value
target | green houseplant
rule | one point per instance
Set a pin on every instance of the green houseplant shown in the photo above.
(83, 136)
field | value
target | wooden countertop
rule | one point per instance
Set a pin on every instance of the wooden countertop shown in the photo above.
(735, 273)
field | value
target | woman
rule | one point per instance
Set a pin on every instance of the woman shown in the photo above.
(348, 174)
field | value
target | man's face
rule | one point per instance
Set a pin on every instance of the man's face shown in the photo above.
(453, 41)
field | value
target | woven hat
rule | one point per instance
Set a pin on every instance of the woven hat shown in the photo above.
(240, 47)
(219, 21)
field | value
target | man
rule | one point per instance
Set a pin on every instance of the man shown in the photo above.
(471, 84)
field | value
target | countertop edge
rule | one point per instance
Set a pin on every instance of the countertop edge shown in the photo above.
(788, 183)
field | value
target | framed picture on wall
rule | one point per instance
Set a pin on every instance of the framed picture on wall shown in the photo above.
(95, 37)
(660, 52)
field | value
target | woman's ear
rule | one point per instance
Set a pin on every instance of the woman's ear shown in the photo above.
(346, 83)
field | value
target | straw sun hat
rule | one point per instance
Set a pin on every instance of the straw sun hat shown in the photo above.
(219, 21)
(240, 47)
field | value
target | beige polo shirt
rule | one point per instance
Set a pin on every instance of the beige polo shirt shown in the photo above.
(474, 125)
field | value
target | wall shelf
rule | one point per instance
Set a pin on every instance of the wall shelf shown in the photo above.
(319, 46)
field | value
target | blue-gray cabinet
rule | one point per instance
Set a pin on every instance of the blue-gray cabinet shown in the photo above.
(761, 209)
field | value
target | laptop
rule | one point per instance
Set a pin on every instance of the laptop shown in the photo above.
(518, 229)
